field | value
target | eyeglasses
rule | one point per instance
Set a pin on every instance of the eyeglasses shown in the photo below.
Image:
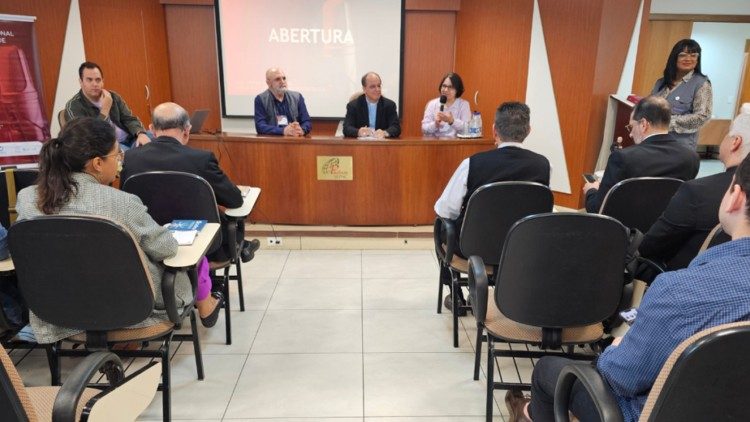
(629, 128)
(692, 56)
(120, 155)
(447, 86)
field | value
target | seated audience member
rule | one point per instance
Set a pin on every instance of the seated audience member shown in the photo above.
(508, 162)
(169, 152)
(655, 153)
(279, 111)
(371, 114)
(446, 119)
(678, 234)
(4, 253)
(711, 291)
(95, 101)
(75, 171)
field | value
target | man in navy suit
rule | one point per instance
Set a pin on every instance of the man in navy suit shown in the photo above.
(371, 114)
(676, 237)
(655, 153)
(169, 152)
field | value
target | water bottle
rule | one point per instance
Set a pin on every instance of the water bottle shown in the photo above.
(475, 125)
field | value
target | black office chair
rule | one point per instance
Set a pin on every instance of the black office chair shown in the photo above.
(11, 182)
(173, 195)
(706, 378)
(75, 400)
(715, 237)
(490, 212)
(638, 202)
(559, 277)
(88, 274)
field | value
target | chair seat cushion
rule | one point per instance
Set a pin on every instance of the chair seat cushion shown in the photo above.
(504, 328)
(461, 264)
(43, 399)
(132, 334)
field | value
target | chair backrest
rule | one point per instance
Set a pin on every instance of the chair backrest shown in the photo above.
(638, 202)
(707, 377)
(561, 269)
(61, 119)
(12, 181)
(716, 236)
(15, 404)
(493, 209)
(81, 272)
(174, 195)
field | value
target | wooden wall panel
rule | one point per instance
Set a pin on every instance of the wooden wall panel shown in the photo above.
(610, 60)
(571, 34)
(586, 45)
(129, 41)
(652, 56)
(195, 77)
(432, 5)
(492, 52)
(50, 35)
(428, 55)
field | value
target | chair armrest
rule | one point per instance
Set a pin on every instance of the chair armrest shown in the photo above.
(594, 384)
(66, 402)
(651, 264)
(169, 296)
(478, 288)
(449, 226)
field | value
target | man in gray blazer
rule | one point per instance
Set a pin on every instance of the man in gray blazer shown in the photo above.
(279, 111)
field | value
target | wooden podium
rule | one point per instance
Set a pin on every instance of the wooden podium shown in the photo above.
(618, 116)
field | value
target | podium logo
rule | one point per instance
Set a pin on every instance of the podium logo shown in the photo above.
(335, 167)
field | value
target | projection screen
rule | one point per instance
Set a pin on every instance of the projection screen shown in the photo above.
(323, 46)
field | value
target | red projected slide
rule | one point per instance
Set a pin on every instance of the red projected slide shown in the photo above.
(324, 47)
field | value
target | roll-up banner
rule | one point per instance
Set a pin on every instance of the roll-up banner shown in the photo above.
(23, 122)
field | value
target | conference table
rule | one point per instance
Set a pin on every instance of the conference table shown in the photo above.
(327, 180)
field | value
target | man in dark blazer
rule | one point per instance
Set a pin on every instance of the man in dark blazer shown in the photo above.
(508, 162)
(371, 114)
(169, 152)
(676, 237)
(655, 153)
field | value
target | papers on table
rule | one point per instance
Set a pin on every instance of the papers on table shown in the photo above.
(185, 231)
(184, 237)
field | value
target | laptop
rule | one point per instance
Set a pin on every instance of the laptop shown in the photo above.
(196, 121)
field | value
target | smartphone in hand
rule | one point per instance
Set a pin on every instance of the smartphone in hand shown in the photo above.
(590, 178)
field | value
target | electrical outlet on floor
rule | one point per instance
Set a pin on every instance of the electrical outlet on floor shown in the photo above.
(274, 241)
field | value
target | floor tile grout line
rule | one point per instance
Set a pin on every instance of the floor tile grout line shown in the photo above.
(362, 316)
(255, 336)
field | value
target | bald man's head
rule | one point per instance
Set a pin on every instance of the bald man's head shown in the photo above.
(169, 119)
(276, 81)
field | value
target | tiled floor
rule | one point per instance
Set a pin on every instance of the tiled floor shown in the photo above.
(333, 336)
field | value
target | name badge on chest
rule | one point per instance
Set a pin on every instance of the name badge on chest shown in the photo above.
(282, 120)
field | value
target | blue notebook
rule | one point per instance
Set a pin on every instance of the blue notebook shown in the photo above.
(186, 225)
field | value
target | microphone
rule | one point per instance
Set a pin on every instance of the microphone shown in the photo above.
(443, 100)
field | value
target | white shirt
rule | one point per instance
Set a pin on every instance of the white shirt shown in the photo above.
(450, 202)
